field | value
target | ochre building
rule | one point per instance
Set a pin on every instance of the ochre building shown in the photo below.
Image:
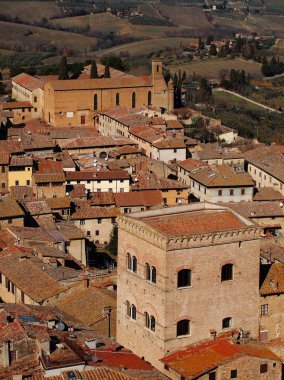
(77, 102)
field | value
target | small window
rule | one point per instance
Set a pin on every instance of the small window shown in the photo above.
(263, 368)
(234, 373)
(227, 272)
(35, 99)
(131, 263)
(219, 193)
(82, 222)
(212, 376)
(184, 278)
(95, 102)
(264, 309)
(149, 98)
(226, 323)
(99, 221)
(243, 191)
(231, 191)
(133, 102)
(97, 232)
(117, 99)
(147, 271)
(152, 323)
(133, 312)
(147, 320)
(183, 327)
(16, 183)
(28, 182)
(88, 233)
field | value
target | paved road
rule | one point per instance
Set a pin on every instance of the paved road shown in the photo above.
(270, 109)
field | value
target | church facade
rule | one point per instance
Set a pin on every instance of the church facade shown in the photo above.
(77, 102)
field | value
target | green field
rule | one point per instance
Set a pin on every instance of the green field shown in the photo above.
(29, 37)
(221, 98)
(275, 5)
(215, 68)
(144, 47)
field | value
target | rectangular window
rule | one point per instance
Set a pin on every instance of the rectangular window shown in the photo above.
(88, 233)
(16, 183)
(3, 185)
(263, 368)
(212, 376)
(231, 192)
(3, 169)
(82, 222)
(121, 190)
(234, 374)
(264, 309)
(97, 232)
(99, 221)
(35, 99)
(22, 297)
(220, 193)
(28, 182)
(243, 191)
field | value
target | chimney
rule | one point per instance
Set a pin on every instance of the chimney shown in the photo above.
(86, 279)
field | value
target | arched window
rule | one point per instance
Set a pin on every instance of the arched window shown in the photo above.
(226, 323)
(128, 313)
(152, 323)
(183, 327)
(131, 263)
(150, 273)
(133, 100)
(184, 278)
(95, 102)
(133, 312)
(134, 264)
(147, 271)
(153, 275)
(149, 98)
(227, 272)
(147, 320)
(117, 99)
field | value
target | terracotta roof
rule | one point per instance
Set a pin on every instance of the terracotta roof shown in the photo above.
(28, 277)
(192, 223)
(94, 142)
(269, 159)
(191, 164)
(9, 208)
(58, 203)
(221, 176)
(100, 373)
(87, 305)
(21, 161)
(36, 141)
(174, 124)
(274, 280)
(16, 105)
(47, 251)
(267, 194)
(219, 129)
(147, 133)
(38, 207)
(4, 158)
(95, 212)
(69, 230)
(102, 198)
(96, 175)
(203, 357)
(49, 167)
(72, 133)
(139, 198)
(101, 83)
(170, 143)
(130, 117)
(272, 252)
(28, 81)
(11, 146)
(258, 209)
(78, 191)
(31, 234)
(145, 180)
(22, 193)
(46, 178)
(11, 331)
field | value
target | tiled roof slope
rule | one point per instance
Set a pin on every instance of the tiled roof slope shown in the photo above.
(269, 159)
(9, 208)
(145, 180)
(139, 198)
(192, 223)
(221, 176)
(274, 280)
(203, 357)
(28, 277)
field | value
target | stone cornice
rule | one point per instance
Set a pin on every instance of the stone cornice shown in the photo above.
(167, 243)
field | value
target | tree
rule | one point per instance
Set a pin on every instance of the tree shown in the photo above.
(204, 92)
(210, 39)
(107, 72)
(113, 61)
(94, 70)
(213, 49)
(112, 245)
(63, 69)
(1, 76)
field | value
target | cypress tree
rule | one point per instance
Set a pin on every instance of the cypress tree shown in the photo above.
(107, 71)
(94, 70)
(63, 69)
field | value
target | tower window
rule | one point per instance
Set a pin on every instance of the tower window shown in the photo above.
(227, 272)
(184, 278)
(183, 327)
(133, 100)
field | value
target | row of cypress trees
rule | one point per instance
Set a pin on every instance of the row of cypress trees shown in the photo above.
(63, 70)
